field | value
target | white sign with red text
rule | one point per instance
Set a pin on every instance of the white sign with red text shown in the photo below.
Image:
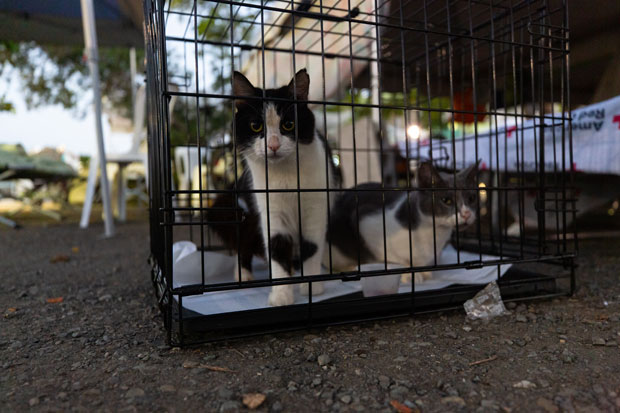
(517, 147)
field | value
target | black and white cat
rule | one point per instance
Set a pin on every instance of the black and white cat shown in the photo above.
(245, 238)
(269, 134)
(347, 242)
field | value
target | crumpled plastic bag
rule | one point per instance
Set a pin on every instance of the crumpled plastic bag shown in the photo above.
(486, 304)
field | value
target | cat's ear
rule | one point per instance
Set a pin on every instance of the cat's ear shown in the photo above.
(469, 174)
(242, 87)
(428, 176)
(299, 85)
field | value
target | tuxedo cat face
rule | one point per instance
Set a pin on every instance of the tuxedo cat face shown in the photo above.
(464, 198)
(269, 128)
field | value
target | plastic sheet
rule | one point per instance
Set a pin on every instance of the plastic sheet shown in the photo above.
(486, 304)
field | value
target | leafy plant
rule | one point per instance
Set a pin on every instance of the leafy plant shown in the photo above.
(58, 75)
(430, 114)
(211, 118)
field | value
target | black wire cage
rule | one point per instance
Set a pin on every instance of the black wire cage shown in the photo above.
(397, 88)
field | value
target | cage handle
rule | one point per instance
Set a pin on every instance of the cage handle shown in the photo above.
(322, 16)
(545, 27)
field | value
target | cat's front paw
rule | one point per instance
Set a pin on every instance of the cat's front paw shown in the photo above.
(246, 274)
(514, 230)
(419, 277)
(317, 289)
(281, 295)
(423, 276)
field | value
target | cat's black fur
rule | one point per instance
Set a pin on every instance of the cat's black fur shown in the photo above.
(248, 241)
(343, 229)
(345, 215)
(251, 110)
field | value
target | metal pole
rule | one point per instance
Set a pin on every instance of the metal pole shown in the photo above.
(90, 191)
(133, 71)
(90, 40)
(8, 222)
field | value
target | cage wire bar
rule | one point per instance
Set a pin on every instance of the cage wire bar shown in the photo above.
(393, 83)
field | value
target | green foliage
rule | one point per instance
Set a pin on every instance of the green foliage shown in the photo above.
(213, 121)
(214, 115)
(429, 116)
(84, 162)
(58, 75)
(115, 72)
(6, 106)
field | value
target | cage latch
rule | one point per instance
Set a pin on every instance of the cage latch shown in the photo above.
(166, 217)
(345, 277)
(473, 265)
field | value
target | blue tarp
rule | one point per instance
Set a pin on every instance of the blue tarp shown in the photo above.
(119, 22)
(104, 9)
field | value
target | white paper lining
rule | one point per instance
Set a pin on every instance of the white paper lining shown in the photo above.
(219, 268)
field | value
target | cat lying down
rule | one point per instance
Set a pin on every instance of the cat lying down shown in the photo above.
(402, 220)
(360, 234)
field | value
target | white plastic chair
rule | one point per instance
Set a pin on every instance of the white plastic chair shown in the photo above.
(136, 154)
(186, 160)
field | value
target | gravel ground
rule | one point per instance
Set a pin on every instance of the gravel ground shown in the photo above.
(102, 347)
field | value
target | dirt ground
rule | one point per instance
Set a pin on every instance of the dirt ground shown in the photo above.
(102, 347)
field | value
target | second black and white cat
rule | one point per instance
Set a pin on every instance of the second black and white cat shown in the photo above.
(357, 232)
(449, 208)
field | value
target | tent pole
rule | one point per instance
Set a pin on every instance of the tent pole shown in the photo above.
(90, 40)
(90, 191)
(133, 72)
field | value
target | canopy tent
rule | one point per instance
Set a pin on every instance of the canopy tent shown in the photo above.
(118, 21)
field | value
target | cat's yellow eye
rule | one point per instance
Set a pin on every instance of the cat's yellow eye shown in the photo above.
(256, 126)
(447, 200)
(288, 126)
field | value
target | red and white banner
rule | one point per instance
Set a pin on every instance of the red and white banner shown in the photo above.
(595, 141)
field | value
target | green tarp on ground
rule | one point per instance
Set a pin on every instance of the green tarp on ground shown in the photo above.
(14, 158)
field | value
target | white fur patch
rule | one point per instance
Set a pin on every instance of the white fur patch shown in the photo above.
(417, 250)
(283, 212)
(465, 210)
(272, 120)
(273, 136)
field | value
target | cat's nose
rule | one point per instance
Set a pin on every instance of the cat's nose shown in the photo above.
(465, 215)
(273, 144)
